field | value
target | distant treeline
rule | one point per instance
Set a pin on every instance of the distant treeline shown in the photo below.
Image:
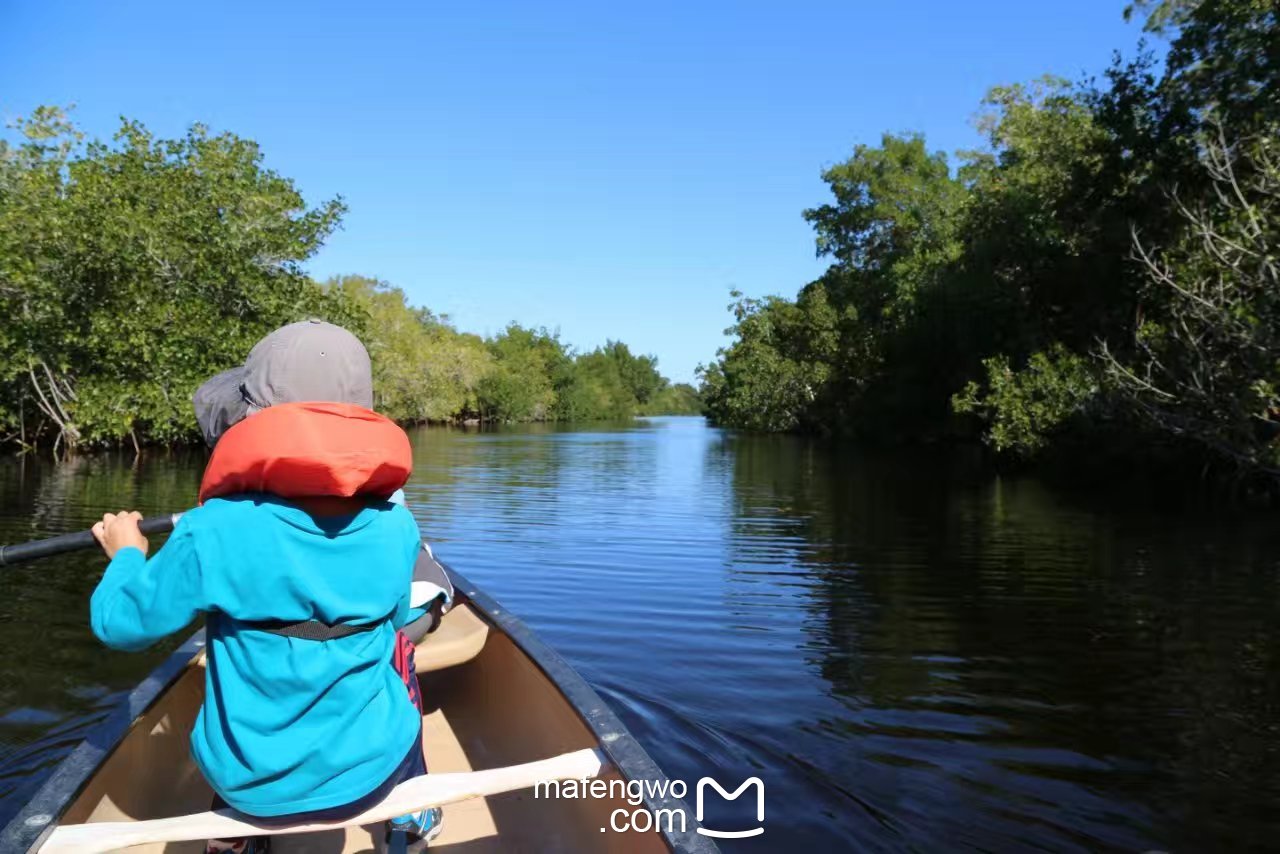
(1103, 274)
(425, 370)
(131, 271)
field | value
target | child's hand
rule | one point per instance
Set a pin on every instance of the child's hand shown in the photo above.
(120, 530)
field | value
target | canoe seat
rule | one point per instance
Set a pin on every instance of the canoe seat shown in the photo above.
(459, 639)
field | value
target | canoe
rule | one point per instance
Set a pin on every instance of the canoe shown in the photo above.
(495, 697)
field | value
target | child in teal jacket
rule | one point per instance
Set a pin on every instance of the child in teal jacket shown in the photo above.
(296, 725)
(289, 725)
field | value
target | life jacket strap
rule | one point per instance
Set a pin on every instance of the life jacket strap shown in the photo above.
(312, 630)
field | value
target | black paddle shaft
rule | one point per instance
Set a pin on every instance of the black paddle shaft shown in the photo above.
(63, 543)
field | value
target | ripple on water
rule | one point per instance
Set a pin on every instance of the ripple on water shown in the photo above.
(911, 655)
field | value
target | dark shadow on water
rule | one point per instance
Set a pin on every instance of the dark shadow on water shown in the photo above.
(1020, 665)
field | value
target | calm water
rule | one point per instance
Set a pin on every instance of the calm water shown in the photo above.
(911, 653)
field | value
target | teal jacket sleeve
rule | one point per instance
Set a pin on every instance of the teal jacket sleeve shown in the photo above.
(140, 601)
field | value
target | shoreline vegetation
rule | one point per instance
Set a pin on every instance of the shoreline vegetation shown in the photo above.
(132, 271)
(1098, 285)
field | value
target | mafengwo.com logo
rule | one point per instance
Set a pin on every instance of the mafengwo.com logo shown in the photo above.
(641, 819)
(707, 782)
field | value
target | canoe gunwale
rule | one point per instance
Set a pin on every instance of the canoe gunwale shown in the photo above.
(31, 826)
(28, 829)
(615, 740)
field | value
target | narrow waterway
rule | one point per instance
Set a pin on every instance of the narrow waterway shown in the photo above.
(910, 652)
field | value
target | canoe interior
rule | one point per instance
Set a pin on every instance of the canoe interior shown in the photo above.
(493, 710)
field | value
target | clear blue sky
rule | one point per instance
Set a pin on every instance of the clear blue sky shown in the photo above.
(608, 169)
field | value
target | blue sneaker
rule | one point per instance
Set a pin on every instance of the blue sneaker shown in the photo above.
(419, 827)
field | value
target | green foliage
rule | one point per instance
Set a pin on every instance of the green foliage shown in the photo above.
(1012, 292)
(773, 375)
(891, 225)
(639, 374)
(424, 369)
(1204, 363)
(537, 378)
(1023, 409)
(597, 389)
(521, 386)
(131, 272)
(1046, 229)
(1223, 58)
(675, 399)
(892, 204)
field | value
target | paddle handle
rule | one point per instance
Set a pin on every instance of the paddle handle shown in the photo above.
(64, 543)
(419, 793)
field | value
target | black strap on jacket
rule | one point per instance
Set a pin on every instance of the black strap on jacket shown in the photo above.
(312, 630)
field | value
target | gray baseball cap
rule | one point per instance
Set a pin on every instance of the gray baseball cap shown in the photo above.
(307, 361)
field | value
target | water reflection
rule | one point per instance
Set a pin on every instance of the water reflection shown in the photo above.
(910, 651)
(1017, 669)
(55, 679)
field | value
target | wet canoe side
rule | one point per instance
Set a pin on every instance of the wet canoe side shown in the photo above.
(514, 701)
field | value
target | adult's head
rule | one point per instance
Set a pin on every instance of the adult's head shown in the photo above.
(307, 361)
